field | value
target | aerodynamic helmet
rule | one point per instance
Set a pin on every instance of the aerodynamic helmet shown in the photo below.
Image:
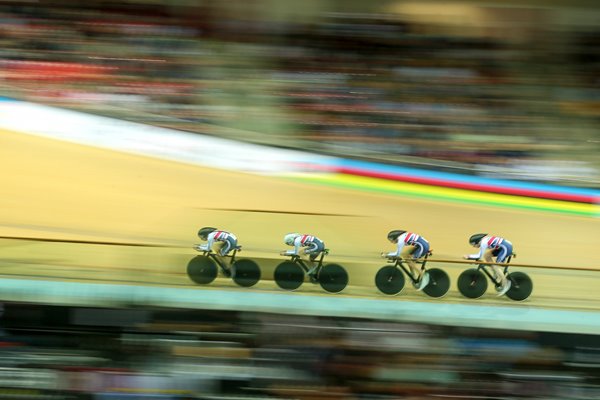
(290, 237)
(393, 235)
(476, 238)
(203, 232)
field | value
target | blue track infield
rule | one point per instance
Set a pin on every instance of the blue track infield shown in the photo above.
(517, 317)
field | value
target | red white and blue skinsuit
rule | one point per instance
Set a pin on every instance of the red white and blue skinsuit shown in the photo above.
(501, 248)
(411, 239)
(313, 244)
(229, 241)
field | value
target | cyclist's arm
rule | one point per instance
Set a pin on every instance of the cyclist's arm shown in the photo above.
(210, 240)
(208, 245)
(398, 249)
(477, 256)
(297, 244)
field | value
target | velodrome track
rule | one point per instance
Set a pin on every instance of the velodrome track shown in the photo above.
(74, 213)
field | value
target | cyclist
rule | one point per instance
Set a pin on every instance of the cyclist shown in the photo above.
(410, 247)
(304, 245)
(223, 241)
(492, 246)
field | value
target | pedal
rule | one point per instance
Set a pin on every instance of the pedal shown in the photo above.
(423, 282)
(415, 282)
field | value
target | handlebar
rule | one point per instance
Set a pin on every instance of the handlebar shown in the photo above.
(198, 247)
(392, 259)
(284, 253)
(398, 258)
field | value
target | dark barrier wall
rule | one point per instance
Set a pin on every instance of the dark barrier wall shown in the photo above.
(104, 353)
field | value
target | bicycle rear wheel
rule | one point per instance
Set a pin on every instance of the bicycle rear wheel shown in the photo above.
(521, 286)
(246, 273)
(202, 270)
(472, 283)
(439, 283)
(333, 278)
(288, 275)
(389, 280)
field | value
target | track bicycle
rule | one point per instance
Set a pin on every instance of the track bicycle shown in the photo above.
(473, 282)
(202, 269)
(290, 274)
(390, 279)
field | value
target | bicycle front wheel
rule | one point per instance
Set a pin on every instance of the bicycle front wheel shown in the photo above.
(472, 283)
(202, 270)
(289, 275)
(390, 280)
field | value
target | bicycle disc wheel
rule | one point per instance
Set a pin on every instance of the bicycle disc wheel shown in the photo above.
(521, 286)
(439, 283)
(333, 278)
(246, 272)
(289, 275)
(389, 280)
(472, 283)
(202, 270)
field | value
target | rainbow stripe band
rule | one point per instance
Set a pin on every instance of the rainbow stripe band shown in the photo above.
(472, 186)
(467, 182)
(451, 194)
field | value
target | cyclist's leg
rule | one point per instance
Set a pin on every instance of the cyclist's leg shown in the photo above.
(502, 254)
(499, 275)
(312, 252)
(305, 253)
(488, 255)
(421, 248)
(227, 245)
(504, 251)
(407, 254)
(219, 249)
(504, 285)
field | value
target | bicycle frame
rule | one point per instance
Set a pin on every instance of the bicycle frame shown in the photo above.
(485, 269)
(399, 263)
(302, 263)
(210, 254)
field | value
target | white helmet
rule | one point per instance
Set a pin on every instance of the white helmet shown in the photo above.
(290, 237)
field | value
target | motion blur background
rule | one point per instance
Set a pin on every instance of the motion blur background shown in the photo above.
(496, 89)
(509, 89)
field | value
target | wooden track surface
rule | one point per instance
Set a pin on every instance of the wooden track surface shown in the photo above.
(94, 205)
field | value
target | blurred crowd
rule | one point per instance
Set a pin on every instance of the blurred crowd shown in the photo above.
(98, 353)
(503, 91)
